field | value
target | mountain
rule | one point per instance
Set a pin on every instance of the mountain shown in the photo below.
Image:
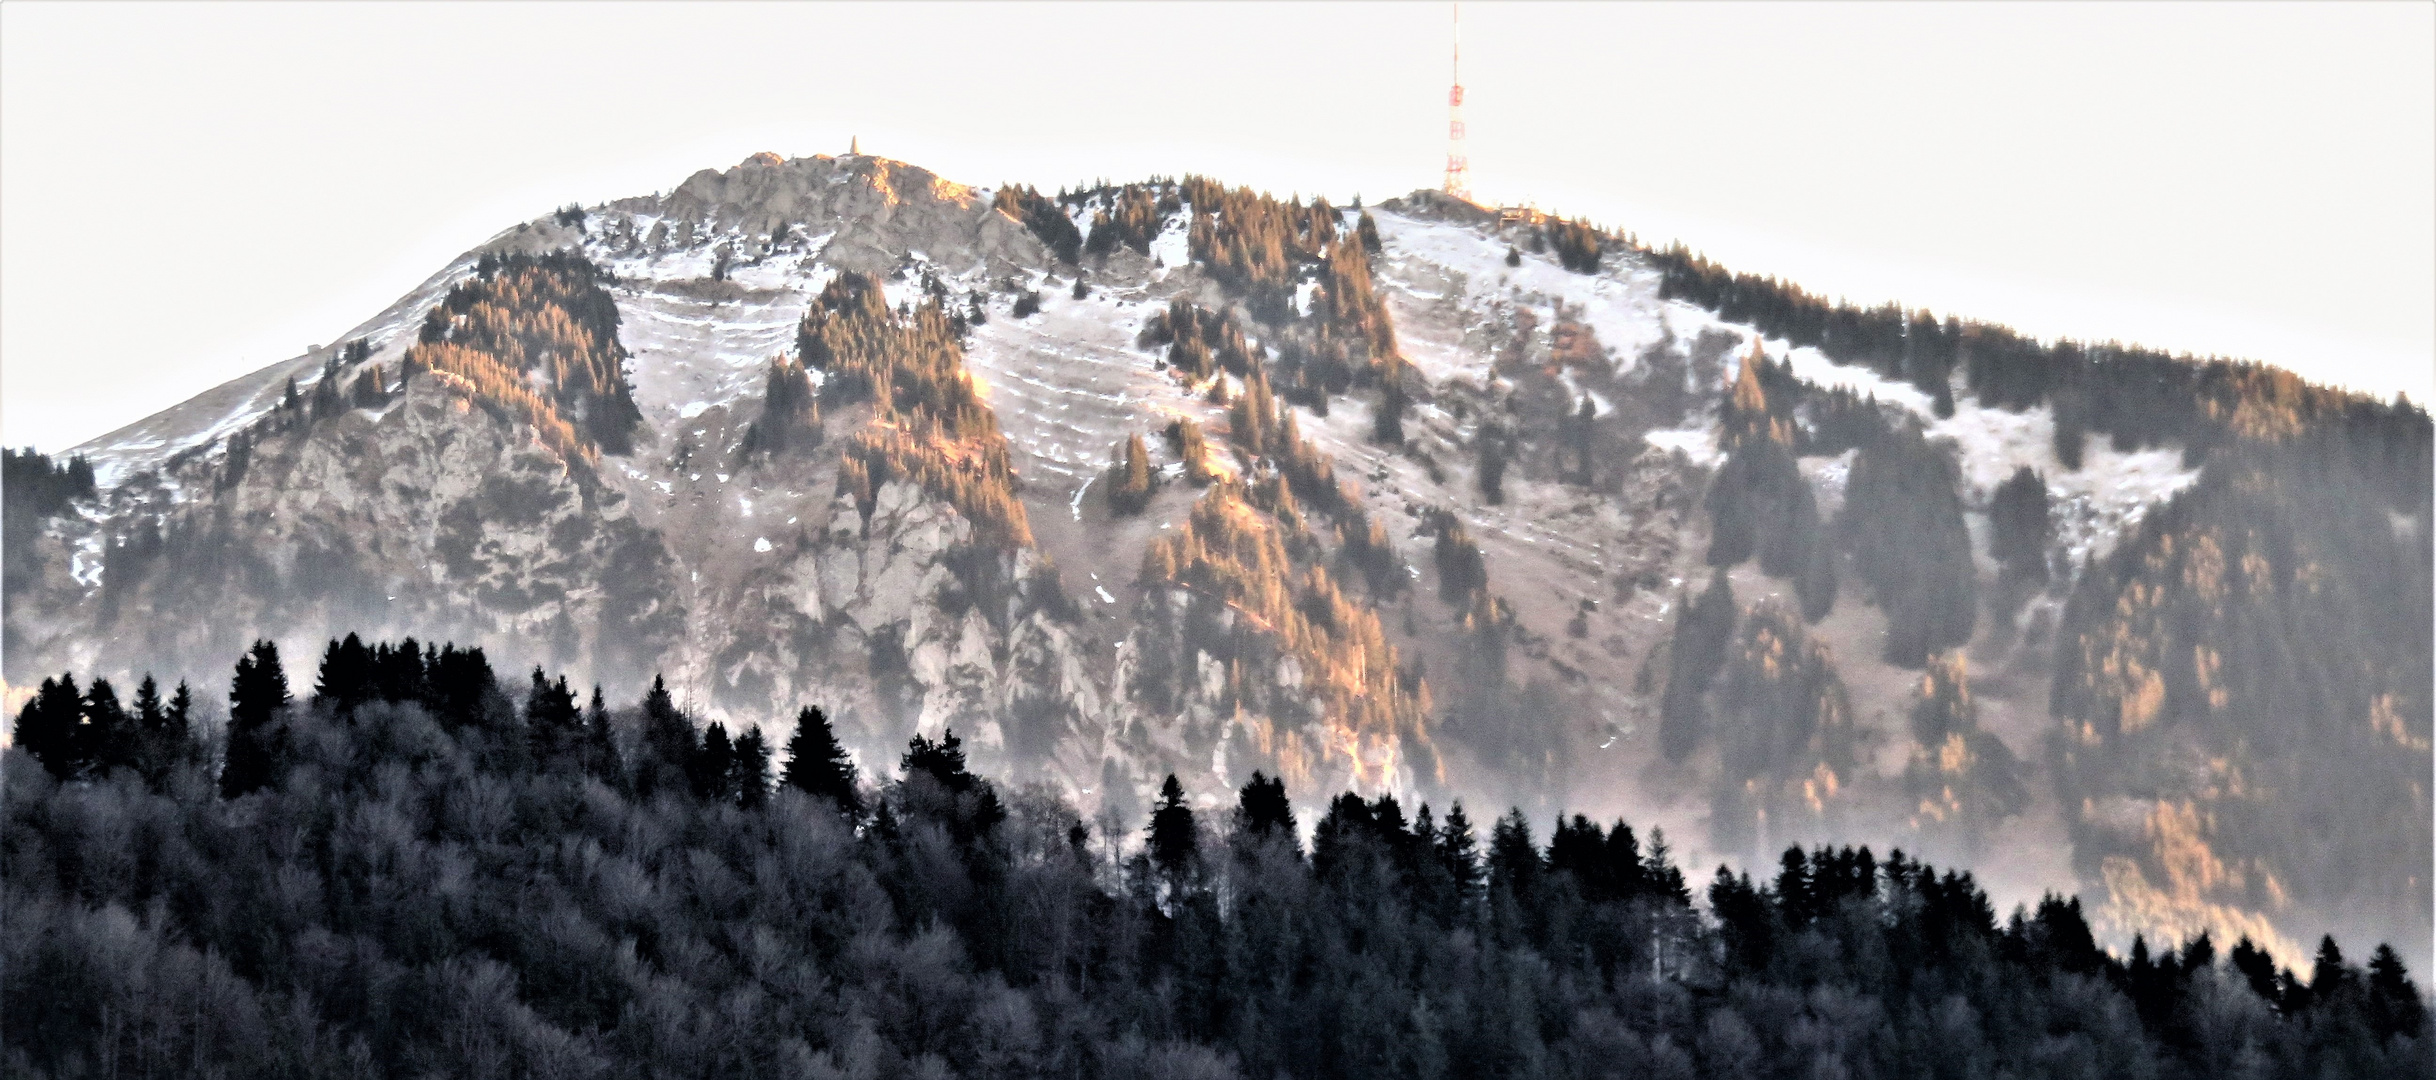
(1418, 498)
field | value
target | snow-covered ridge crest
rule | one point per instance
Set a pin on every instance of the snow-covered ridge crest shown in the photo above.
(868, 213)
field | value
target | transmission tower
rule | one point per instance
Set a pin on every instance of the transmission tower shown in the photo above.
(1458, 164)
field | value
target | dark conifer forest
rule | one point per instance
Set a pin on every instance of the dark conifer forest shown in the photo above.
(407, 865)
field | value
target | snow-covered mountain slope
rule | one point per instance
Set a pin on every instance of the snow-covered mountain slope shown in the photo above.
(756, 583)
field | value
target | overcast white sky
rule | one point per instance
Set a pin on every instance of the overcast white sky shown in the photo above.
(191, 191)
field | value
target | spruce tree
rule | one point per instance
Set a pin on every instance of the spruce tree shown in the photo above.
(1514, 864)
(1458, 854)
(749, 773)
(1129, 477)
(2394, 1005)
(46, 727)
(941, 759)
(668, 745)
(971, 809)
(600, 743)
(2021, 526)
(1626, 877)
(153, 752)
(1262, 809)
(713, 766)
(1387, 425)
(177, 726)
(257, 696)
(1703, 628)
(346, 677)
(2330, 978)
(553, 724)
(108, 733)
(817, 765)
(1173, 842)
(147, 704)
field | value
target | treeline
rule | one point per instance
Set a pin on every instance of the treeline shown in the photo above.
(39, 486)
(1130, 215)
(928, 423)
(1577, 244)
(524, 319)
(409, 893)
(2140, 397)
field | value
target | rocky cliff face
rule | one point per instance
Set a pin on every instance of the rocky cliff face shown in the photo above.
(1561, 429)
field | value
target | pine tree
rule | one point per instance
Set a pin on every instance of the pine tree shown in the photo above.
(818, 765)
(46, 727)
(148, 704)
(109, 735)
(257, 696)
(1703, 629)
(669, 743)
(971, 809)
(177, 726)
(1262, 809)
(2394, 1005)
(600, 743)
(713, 766)
(941, 759)
(1514, 864)
(1387, 425)
(154, 752)
(346, 677)
(1458, 854)
(1173, 841)
(1659, 874)
(2256, 966)
(749, 774)
(1745, 920)
(1129, 477)
(2330, 979)
(2021, 526)
(553, 724)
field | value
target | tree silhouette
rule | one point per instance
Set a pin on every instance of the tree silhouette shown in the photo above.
(817, 765)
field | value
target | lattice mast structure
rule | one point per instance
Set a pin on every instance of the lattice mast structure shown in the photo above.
(1458, 163)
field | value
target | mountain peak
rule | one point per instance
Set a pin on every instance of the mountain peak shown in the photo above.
(875, 210)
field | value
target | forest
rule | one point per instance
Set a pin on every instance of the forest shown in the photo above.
(413, 867)
(927, 423)
(2136, 396)
(523, 317)
(2252, 660)
(33, 487)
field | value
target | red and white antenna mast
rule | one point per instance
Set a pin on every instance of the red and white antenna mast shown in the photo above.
(1458, 164)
